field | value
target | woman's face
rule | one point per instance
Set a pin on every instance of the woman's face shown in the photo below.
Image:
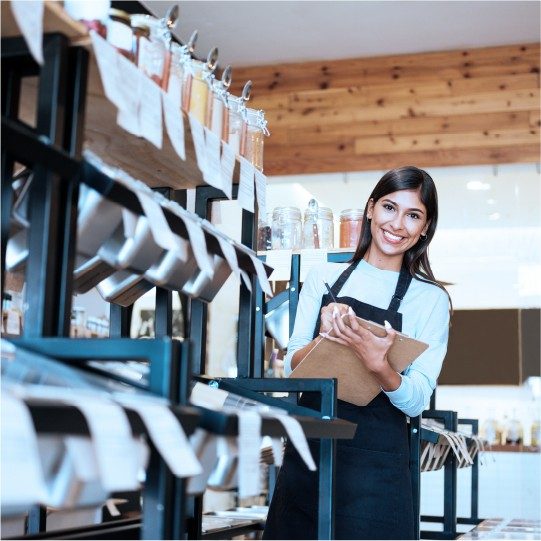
(398, 220)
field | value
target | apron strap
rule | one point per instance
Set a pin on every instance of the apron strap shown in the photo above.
(337, 286)
(404, 280)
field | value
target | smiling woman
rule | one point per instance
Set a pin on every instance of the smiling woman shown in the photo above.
(389, 272)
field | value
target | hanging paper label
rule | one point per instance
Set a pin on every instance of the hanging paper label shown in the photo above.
(230, 255)
(261, 275)
(280, 261)
(161, 232)
(106, 57)
(168, 436)
(227, 165)
(174, 124)
(261, 193)
(22, 478)
(249, 444)
(198, 136)
(28, 15)
(128, 122)
(246, 185)
(129, 79)
(199, 246)
(150, 112)
(213, 172)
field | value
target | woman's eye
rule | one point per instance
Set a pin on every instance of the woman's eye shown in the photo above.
(387, 206)
(414, 216)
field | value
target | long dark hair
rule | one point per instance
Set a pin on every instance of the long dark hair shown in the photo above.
(416, 258)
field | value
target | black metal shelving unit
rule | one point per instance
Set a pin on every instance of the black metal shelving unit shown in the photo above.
(53, 151)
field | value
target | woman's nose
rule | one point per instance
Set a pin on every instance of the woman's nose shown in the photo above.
(397, 221)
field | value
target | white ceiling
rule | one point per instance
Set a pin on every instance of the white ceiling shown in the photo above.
(270, 32)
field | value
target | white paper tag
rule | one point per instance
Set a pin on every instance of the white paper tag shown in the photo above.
(174, 124)
(230, 255)
(28, 15)
(129, 85)
(249, 443)
(277, 451)
(296, 436)
(116, 452)
(213, 174)
(128, 122)
(198, 136)
(261, 275)
(150, 112)
(261, 193)
(13, 323)
(280, 261)
(246, 279)
(310, 258)
(168, 437)
(129, 222)
(106, 57)
(199, 246)
(161, 232)
(22, 478)
(228, 168)
(174, 89)
(246, 185)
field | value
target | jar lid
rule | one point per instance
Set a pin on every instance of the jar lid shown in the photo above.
(256, 118)
(352, 214)
(323, 213)
(120, 14)
(293, 213)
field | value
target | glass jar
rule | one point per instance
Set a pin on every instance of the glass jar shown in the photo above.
(514, 433)
(255, 129)
(491, 431)
(196, 88)
(264, 233)
(234, 123)
(286, 228)
(119, 32)
(216, 107)
(318, 227)
(535, 433)
(152, 51)
(351, 221)
(179, 57)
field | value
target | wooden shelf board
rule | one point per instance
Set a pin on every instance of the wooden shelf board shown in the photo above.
(55, 19)
(514, 449)
(135, 155)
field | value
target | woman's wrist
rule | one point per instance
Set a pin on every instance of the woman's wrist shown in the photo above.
(388, 378)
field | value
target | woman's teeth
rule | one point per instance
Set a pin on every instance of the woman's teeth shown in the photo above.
(391, 237)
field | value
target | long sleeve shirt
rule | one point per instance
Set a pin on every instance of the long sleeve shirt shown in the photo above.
(425, 317)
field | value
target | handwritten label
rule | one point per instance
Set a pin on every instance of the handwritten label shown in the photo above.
(280, 261)
(150, 112)
(198, 136)
(228, 167)
(174, 124)
(213, 172)
(106, 56)
(28, 15)
(246, 185)
(249, 444)
(261, 275)
(261, 193)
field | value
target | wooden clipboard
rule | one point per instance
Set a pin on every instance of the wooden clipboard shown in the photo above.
(356, 384)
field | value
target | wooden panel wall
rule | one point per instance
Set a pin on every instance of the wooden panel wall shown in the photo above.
(474, 106)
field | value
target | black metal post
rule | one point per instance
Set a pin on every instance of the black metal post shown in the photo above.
(415, 471)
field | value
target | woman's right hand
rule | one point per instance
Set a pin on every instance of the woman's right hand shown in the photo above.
(326, 315)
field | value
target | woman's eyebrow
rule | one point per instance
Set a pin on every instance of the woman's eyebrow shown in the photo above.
(397, 205)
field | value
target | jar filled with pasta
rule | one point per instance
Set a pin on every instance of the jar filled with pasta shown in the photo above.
(351, 221)
(255, 130)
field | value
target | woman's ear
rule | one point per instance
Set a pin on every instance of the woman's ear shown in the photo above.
(370, 209)
(425, 228)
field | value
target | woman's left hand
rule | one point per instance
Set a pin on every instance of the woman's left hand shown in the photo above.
(371, 349)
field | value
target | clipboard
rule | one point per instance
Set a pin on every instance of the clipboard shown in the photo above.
(356, 384)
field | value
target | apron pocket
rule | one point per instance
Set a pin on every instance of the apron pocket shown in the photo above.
(368, 486)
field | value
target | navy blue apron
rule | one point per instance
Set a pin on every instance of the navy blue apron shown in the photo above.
(373, 483)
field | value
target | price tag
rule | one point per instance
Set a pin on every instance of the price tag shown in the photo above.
(198, 136)
(261, 275)
(280, 261)
(213, 151)
(174, 124)
(261, 193)
(246, 185)
(28, 15)
(106, 56)
(249, 439)
(150, 112)
(228, 168)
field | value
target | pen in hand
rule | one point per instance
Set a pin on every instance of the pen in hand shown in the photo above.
(330, 292)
